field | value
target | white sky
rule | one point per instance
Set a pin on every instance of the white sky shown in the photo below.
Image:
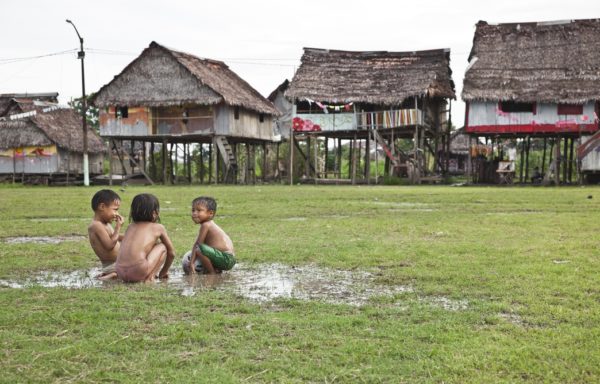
(261, 41)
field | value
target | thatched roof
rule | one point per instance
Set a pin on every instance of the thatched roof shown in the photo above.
(281, 88)
(528, 62)
(8, 99)
(386, 78)
(44, 125)
(164, 77)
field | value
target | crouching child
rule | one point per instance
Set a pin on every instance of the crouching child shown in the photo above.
(213, 247)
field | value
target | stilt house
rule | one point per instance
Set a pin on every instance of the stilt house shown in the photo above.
(42, 141)
(371, 97)
(535, 81)
(170, 97)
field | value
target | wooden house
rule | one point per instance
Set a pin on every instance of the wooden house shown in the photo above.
(42, 141)
(535, 80)
(282, 125)
(170, 97)
(375, 97)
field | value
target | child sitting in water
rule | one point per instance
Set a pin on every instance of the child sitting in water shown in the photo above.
(142, 254)
(105, 239)
(213, 247)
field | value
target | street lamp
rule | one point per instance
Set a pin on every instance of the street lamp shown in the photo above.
(86, 166)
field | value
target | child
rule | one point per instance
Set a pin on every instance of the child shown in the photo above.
(141, 254)
(213, 246)
(103, 238)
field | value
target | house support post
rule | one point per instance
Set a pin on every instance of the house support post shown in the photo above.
(291, 163)
(544, 156)
(557, 162)
(469, 160)
(368, 159)
(527, 158)
(338, 163)
(564, 158)
(164, 161)
(316, 151)
(522, 158)
(210, 163)
(570, 171)
(351, 160)
(110, 173)
(264, 163)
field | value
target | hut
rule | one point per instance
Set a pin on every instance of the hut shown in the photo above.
(376, 97)
(172, 98)
(42, 141)
(534, 84)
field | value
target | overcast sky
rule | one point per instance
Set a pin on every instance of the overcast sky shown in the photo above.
(261, 41)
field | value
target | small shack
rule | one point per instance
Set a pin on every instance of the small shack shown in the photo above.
(535, 84)
(41, 141)
(369, 100)
(166, 99)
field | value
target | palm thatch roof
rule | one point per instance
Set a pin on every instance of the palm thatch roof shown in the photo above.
(9, 99)
(161, 76)
(42, 124)
(386, 78)
(528, 62)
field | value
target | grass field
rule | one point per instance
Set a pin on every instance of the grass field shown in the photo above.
(522, 263)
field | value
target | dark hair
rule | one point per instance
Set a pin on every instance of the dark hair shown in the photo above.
(208, 202)
(104, 196)
(143, 207)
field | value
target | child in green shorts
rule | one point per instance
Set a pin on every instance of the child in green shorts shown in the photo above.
(213, 247)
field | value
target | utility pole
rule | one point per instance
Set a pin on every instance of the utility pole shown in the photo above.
(81, 56)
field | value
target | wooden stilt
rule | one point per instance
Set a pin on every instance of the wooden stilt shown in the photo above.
(338, 165)
(544, 157)
(110, 172)
(210, 163)
(291, 164)
(527, 158)
(200, 163)
(522, 161)
(470, 159)
(368, 159)
(164, 161)
(564, 158)
(570, 164)
(316, 152)
(353, 160)
(557, 162)
(264, 163)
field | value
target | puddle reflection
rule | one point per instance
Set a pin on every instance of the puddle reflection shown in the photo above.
(42, 239)
(259, 283)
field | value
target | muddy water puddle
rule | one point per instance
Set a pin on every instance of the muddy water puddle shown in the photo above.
(258, 283)
(42, 239)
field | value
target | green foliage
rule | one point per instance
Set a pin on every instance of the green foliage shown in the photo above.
(92, 112)
(521, 262)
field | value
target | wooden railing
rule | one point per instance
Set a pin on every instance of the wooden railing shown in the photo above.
(392, 118)
(389, 119)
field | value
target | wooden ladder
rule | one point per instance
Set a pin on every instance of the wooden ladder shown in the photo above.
(588, 146)
(393, 159)
(227, 155)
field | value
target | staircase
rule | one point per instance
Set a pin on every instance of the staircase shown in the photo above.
(228, 158)
(588, 146)
(393, 159)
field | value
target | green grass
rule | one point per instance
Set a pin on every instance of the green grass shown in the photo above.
(523, 260)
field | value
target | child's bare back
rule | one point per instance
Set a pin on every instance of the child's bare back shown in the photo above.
(146, 245)
(217, 238)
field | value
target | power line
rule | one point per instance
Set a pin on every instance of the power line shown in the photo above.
(19, 59)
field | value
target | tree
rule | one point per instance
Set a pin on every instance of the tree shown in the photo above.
(91, 113)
